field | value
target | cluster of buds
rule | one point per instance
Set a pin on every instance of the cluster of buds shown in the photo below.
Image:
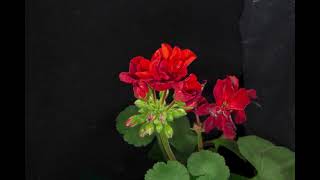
(155, 114)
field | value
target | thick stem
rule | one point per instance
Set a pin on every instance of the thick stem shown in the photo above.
(166, 146)
(161, 147)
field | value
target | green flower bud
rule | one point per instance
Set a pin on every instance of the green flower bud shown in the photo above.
(140, 103)
(180, 103)
(149, 128)
(146, 129)
(169, 116)
(177, 113)
(168, 131)
(159, 128)
(156, 121)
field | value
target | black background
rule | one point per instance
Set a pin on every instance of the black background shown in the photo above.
(76, 49)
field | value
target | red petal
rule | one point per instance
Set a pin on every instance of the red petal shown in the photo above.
(209, 124)
(161, 86)
(125, 77)
(203, 108)
(239, 101)
(218, 91)
(252, 93)
(188, 56)
(166, 50)
(235, 82)
(229, 129)
(144, 75)
(140, 89)
(240, 117)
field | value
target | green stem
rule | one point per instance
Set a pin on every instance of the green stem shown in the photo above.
(200, 143)
(164, 97)
(154, 95)
(199, 133)
(166, 146)
(171, 104)
(161, 148)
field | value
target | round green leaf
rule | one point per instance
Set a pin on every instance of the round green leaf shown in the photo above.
(270, 161)
(131, 134)
(173, 170)
(208, 164)
(132, 137)
(184, 139)
(229, 144)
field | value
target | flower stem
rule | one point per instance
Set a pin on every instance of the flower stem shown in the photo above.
(161, 147)
(199, 133)
(171, 104)
(162, 138)
(164, 97)
(154, 95)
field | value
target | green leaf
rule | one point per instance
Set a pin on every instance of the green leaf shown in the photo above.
(237, 177)
(184, 139)
(172, 170)
(131, 134)
(208, 164)
(132, 137)
(155, 153)
(270, 161)
(229, 144)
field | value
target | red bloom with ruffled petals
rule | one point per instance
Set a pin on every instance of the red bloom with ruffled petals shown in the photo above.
(189, 91)
(138, 76)
(169, 65)
(229, 100)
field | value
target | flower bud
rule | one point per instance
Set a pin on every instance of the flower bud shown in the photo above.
(169, 116)
(130, 122)
(159, 128)
(177, 113)
(146, 129)
(140, 103)
(168, 131)
(149, 128)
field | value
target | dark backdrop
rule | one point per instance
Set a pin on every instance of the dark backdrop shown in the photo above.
(76, 49)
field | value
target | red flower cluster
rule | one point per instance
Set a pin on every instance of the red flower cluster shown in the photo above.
(165, 70)
(230, 100)
(168, 68)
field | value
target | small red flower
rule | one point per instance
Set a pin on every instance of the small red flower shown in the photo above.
(229, 100)
(138, 76)
(169, 66)
(189, 91)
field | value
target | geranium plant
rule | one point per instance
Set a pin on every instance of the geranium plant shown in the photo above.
(165, 94)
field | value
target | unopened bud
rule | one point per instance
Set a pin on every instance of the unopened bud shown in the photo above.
(130, 122)
(146, 129)
(179, 113)
(149, 128)
(168, 131)
(159, 128)
(169, 116)
(140, 103)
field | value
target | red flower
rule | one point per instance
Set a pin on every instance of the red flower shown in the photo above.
(189, 91)
(169, 66)
(138, 76)
(229, 100)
